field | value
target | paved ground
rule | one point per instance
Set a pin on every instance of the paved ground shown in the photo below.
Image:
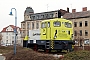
(2, 58)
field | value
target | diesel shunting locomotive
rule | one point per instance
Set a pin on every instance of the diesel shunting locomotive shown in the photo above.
(54, 34)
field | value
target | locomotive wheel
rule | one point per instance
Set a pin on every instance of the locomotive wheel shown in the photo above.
(47, 50)
(35, 48)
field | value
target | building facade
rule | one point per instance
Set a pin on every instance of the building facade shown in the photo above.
(81, 25)
(8, 35)
(32, 20)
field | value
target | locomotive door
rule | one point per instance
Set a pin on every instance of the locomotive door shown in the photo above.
(48, 36)
(43, 31)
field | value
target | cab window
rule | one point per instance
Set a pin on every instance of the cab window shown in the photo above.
(57, 23)
(43, 25)
(48, 24)
(68, 25)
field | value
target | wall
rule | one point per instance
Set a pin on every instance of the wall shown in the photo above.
(83, 28)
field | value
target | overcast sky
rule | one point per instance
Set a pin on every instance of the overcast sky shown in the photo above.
(38, 6)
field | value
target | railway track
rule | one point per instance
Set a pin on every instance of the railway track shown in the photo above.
(54, 53)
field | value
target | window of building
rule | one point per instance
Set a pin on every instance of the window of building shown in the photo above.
(28, 25)
(37, 25)
(6, 41)
(51, 15)
(86, 33)
(75, 24)
(80, 32)
(47, 15)
(27, 16)
(80, 23)
(43, 25)
(37, 16)
(32, 25)
(7, 33)
(12, 42)
(42, 16)
(75, 33)
(12, 37)
(33, 17)
(23, 26)
(86, 23)
(28, 33)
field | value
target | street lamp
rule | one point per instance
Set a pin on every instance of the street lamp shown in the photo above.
(15, 29)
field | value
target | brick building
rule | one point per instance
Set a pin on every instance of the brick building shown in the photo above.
(81, 24)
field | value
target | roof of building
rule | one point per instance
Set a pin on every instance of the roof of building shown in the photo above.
(45, 12)
(29, 10)
(61, 10)
(73, 15)
(4, 29)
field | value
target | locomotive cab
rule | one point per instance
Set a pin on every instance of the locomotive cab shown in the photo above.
(58, 32)
(58, 29)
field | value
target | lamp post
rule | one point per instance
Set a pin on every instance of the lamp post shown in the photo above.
(15, 29)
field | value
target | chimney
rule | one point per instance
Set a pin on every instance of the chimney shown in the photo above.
(84, 9)
(67, 9)
(73, 10)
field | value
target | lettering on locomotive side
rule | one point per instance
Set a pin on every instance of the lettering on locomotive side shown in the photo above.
(36, 34)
